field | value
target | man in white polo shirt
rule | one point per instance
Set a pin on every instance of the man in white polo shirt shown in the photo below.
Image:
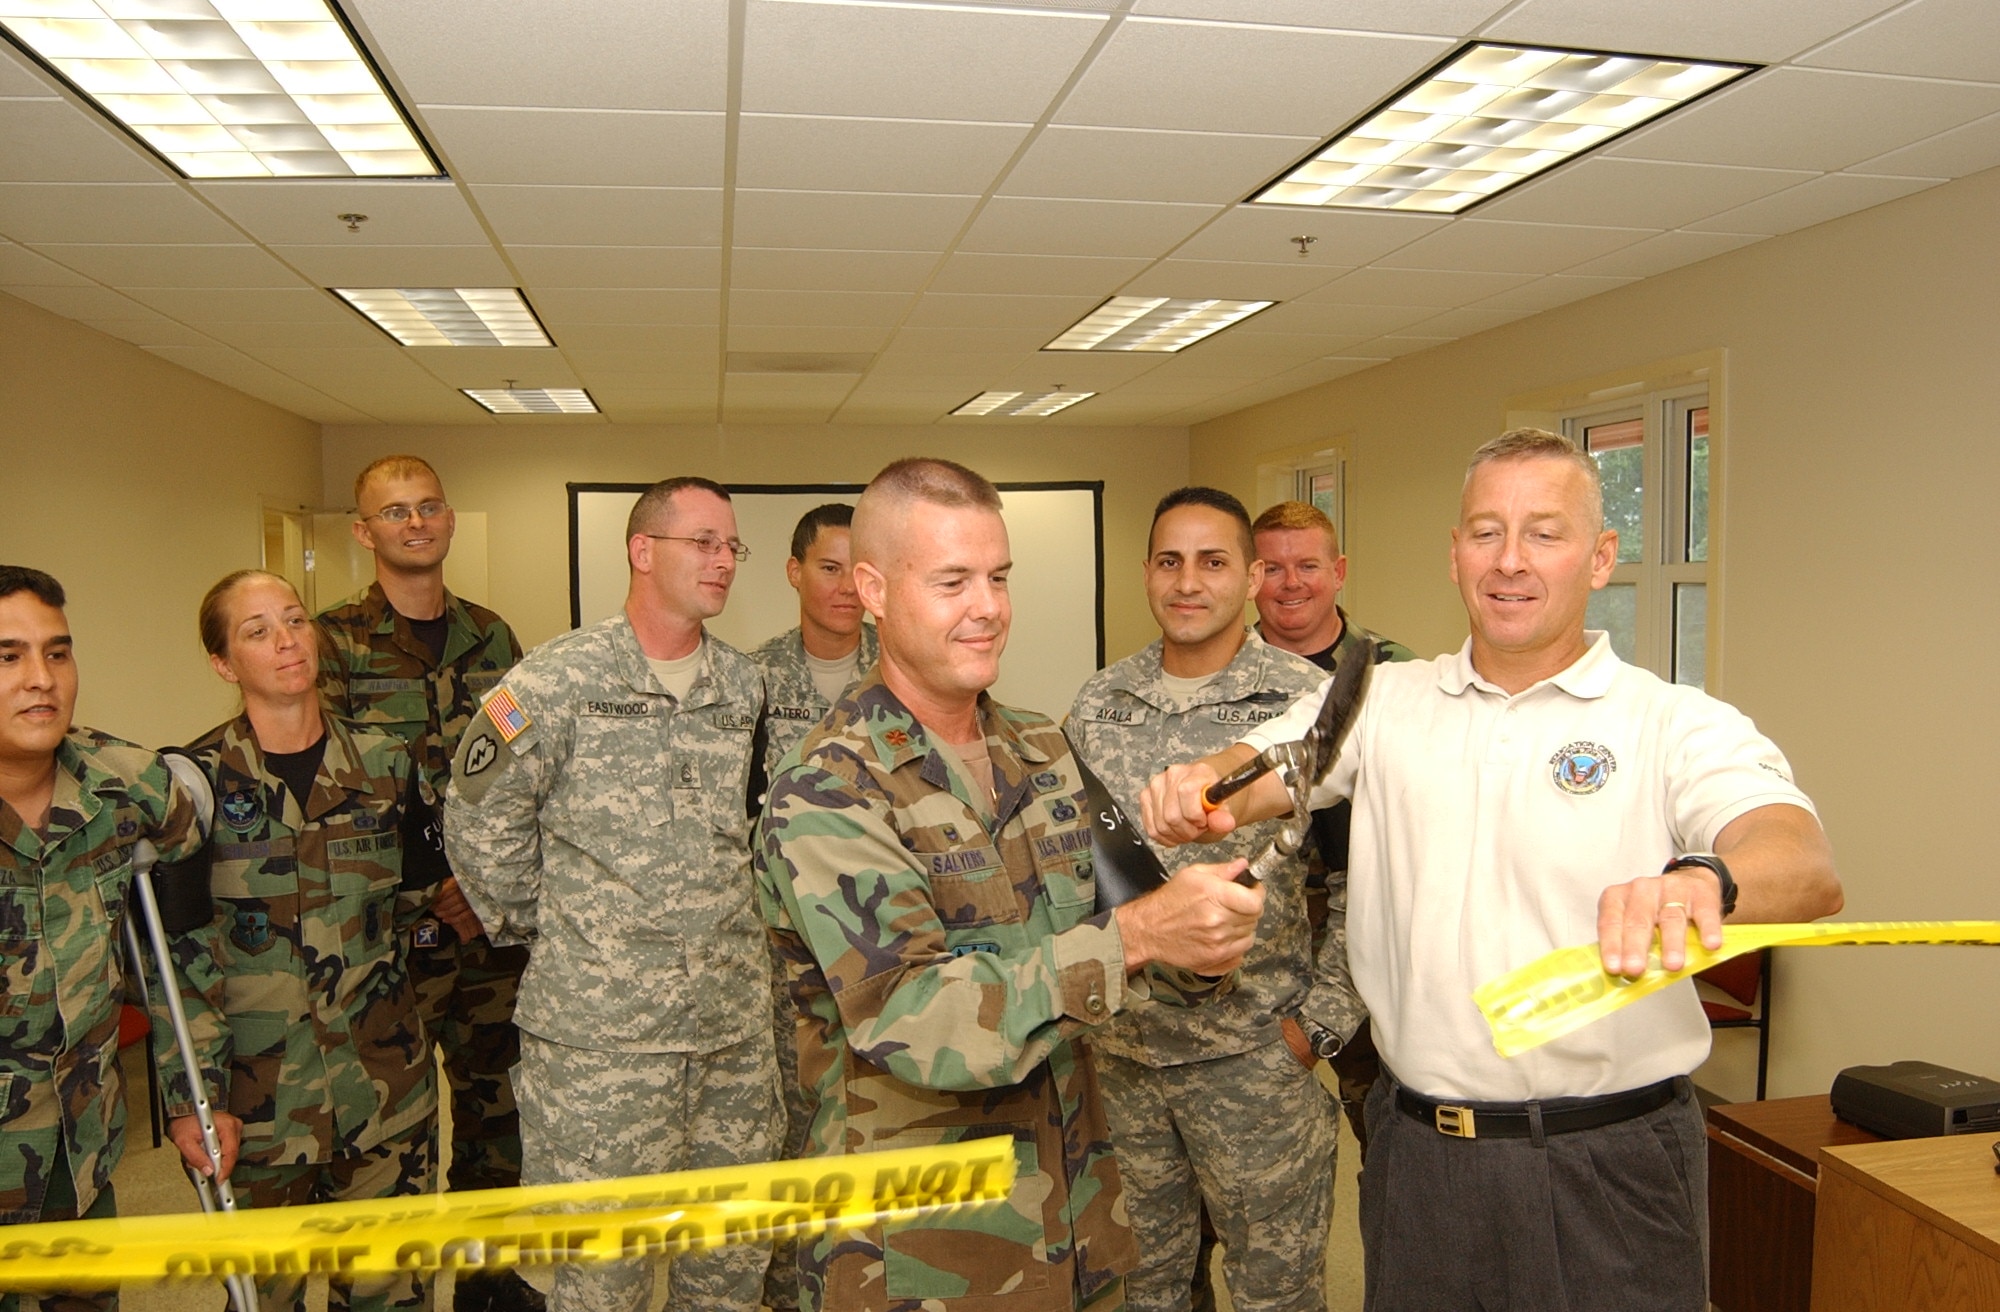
(1529, 792)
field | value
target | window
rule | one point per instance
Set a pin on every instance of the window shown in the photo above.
(1654, 455)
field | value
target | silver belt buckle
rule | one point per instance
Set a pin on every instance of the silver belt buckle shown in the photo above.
(1458, 1122)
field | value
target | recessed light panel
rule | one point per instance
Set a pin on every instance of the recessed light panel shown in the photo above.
(533, 400)
(1152, 323)
(1491, 117)
(449, 316)
(228, 88)
(1020, 405)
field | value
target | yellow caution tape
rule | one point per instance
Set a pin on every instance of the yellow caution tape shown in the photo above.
(493, 1229)
(1568, 989)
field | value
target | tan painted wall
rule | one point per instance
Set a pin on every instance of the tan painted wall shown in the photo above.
(517, 474)
(1862, 466)
(137, 484)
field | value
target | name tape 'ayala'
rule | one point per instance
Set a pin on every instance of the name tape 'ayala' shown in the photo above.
(492, 1229)
(1568, 989)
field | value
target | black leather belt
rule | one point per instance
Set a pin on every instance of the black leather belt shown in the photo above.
(1516, 1120)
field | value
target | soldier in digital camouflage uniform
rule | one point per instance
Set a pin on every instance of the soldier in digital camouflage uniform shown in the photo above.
(925, 867)
(321, 1071)
(1218, 1107)
(599, 813)
(806, 668)
(73, 803)
(412, 660)
(1298, 607)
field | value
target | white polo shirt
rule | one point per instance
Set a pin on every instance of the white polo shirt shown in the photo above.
(1486, 826)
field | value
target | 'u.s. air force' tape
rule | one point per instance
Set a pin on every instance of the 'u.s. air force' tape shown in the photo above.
(1568, 989)
(491, 1229)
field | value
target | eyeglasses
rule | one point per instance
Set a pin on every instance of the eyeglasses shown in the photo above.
(708, 544)
(402, 514)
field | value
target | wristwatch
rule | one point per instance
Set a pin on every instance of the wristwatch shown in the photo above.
(1323, 1041)
(1708, 861)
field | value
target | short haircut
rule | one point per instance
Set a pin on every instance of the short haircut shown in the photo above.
(1291, 515)
(394, 467)
(653, 503)
(1214, 499)
(20, 578)
(1541, 444)
(211, 619)
(917, 478)
(834, 514)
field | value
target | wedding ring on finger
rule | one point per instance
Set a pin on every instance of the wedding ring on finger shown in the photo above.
(1682, 907)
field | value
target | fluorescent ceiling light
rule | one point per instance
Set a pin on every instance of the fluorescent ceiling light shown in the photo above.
(228, 88)
(449, 316)
(1020, 405)
(533, 400)
(1152, 323)
(1488, 118)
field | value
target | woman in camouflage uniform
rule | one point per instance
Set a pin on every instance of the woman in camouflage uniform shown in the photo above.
(325, 1075)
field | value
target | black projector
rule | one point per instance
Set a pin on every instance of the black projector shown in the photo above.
(1916, 1100)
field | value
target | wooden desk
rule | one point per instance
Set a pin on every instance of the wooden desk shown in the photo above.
(1763, 1172)
(1910, 1224)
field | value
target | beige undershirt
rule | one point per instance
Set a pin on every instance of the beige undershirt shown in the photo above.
(677, 676)
(830, 678)
(974, 763)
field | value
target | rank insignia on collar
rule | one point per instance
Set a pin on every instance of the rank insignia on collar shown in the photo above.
(241, 810)
(896, 738)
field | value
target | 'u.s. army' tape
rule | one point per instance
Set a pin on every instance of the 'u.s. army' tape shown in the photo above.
(491, 1229)
(1568, 989)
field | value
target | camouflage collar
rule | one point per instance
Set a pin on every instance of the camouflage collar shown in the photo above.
(239, 766)
(73, 803)
(461, 634)
(708, 687)
(1142, 675)
(898, 738)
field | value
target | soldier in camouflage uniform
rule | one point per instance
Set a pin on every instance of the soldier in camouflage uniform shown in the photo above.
(322, 1072)
(925, 867)
(599, 813)
(1218, 1107)
(1298, 607)
(73, 803)
(806, 669)
(411, 660)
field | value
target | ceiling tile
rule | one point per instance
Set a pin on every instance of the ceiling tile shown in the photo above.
(1346, 321)
(1031, 274)
(1133, 164)
(1548, 293)
(175, 266)
(1756, 31)
(1209, 77)
(1796, 118)
(1443, 17)
(493, 366)
(808, 309)
(1824, 198)
(1634, 193)
(1020, 226)
(786, 151)
(989, 65)
(829, 339)
(34, 212)
(398, 266)
(21, 267)
(337, 370)
(1263, 234)
(307, 213)
(577, 147)
(1394, 347)
(1669, 250)
(53, 141)
(603, 216)
(1473, 244)
(896, 366)
(1049, 314)
(1379, 286)
(150, 331)
(79, 302)
(662, 54)
(618, 266)
(234, 369)
(207, 306)
(949, 340)
(849, 221)
(352, 331)
(1954, 154)
(1229, 280)
(669, 369)
(676, 339)
(1931, 38)
(562, 306)
(19, 77)
(1075, 371)
(835, 271)
(1461, 323)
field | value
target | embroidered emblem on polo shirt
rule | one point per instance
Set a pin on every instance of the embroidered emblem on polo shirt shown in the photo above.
(1581, 768)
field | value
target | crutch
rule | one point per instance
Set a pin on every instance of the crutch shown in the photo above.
(214, 1191)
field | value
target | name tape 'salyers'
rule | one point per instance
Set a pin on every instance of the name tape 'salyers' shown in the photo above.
(1568, 989)
(492, 1229)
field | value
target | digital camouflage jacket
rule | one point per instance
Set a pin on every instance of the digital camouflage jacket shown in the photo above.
(322, 1054)
(946, 972)
(62, 962)
(792, 702)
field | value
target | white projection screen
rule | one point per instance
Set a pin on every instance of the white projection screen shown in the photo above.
(1056, 531)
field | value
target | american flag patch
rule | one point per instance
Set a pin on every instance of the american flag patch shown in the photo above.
(507, 715)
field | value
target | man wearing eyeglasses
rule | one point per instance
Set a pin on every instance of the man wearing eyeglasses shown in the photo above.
(411, 659)
(599, 811)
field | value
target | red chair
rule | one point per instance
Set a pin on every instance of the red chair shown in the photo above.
(134, 1027)
(1746, 980)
